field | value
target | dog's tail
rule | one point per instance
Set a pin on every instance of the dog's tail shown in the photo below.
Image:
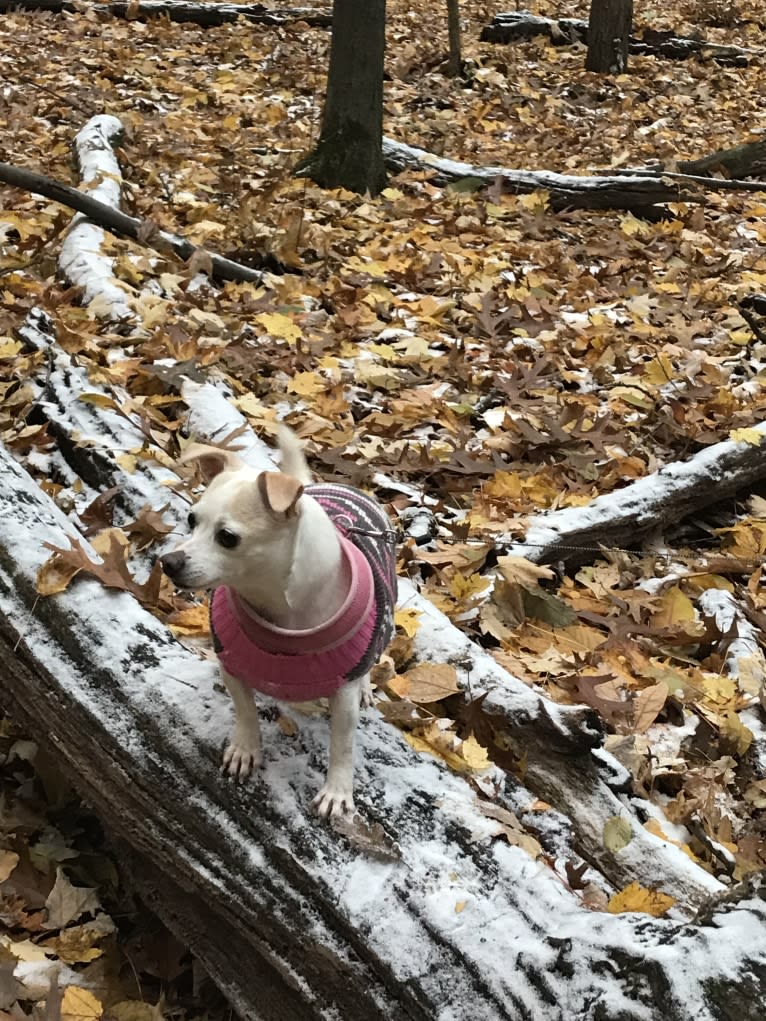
(293, 459)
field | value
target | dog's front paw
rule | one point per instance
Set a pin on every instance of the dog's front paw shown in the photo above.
(333, 799)
(242, 755)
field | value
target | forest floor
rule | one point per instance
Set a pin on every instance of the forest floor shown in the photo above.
(499, 359)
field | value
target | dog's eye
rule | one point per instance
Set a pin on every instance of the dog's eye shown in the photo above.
(192, 520)
(226, 538)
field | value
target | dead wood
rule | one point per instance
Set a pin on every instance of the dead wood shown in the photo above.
(123, 225)
(204, 15)
(623, 518)
(290, 918)
(640, 190)
(518, 25)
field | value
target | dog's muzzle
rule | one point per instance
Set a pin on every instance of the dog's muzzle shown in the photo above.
(173, 564)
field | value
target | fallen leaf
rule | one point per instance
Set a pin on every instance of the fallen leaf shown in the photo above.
(647, 705)
(617, 833)
(427, 682)
(80, 1005)
(67, 903)
(638, 898)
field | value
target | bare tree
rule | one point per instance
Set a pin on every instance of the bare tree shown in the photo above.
(455, 64)
(349, 151)
(608, 32)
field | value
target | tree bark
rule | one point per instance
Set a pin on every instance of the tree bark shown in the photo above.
(608, 34)
(349, 152)
(455, 64)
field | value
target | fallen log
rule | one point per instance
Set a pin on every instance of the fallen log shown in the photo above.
(123, 225)
(623, 518)
(415, 912)
(515, 26)
(641, 190)
(204, 15)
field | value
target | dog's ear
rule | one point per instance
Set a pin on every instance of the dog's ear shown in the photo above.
(211, 460)
(280, 493)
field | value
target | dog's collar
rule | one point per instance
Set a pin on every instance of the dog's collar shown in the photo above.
(339, 629)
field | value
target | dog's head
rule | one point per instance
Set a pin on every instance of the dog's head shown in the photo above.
(242, 528)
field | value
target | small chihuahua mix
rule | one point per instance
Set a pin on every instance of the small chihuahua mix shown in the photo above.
(305, 588)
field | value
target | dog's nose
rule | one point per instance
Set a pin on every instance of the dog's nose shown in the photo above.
(172, 563)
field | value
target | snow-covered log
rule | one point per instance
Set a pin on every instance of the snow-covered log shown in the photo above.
(518, 25)
(623, 518)
(416, 913)
(203, 14)
(642, 189)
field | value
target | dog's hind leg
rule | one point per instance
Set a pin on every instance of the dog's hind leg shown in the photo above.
(336, 796)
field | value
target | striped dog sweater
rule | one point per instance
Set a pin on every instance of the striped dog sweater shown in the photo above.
(299, 665)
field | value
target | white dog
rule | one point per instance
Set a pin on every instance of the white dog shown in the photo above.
(305, 587)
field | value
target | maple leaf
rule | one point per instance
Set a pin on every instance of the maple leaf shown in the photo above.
(637, 898)
(80, 1005)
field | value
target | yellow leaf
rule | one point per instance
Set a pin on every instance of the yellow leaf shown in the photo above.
(475, 755)
(195, 620)
(630, 225)
(459, 906)
(79, 1005)
(675, 608)
(504, 486)
(127, 462)
(752, 436)
(465, 589)
(408, 621)
(431, 682)
(659, 370)
(735, 733)
(280, 326)
(8, 347)
(719, 691)
(307, 384)
(638, 898)
(100, 400)
(54, 576)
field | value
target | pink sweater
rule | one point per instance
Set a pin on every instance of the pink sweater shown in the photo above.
(297, 666)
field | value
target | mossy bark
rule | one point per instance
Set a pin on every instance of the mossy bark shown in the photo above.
(608, 35)
(349, 153)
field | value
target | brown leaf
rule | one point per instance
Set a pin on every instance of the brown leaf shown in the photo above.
(99, 512)
(372, 840)
(647, 705)
(426, 682)
(148, 526)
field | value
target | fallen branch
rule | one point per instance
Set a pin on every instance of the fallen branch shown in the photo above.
(623, 518)
(519, 25)
(123, 225)
(204, 15)
(81, 259)
(638, 190)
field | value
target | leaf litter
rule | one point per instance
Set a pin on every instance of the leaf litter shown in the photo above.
(493, 358)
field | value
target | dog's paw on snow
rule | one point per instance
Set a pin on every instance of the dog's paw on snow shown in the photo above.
(242, 756)
(333, 800)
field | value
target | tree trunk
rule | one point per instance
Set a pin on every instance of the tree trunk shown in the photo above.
(608, 33)
(349, 152)
(453, 24)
